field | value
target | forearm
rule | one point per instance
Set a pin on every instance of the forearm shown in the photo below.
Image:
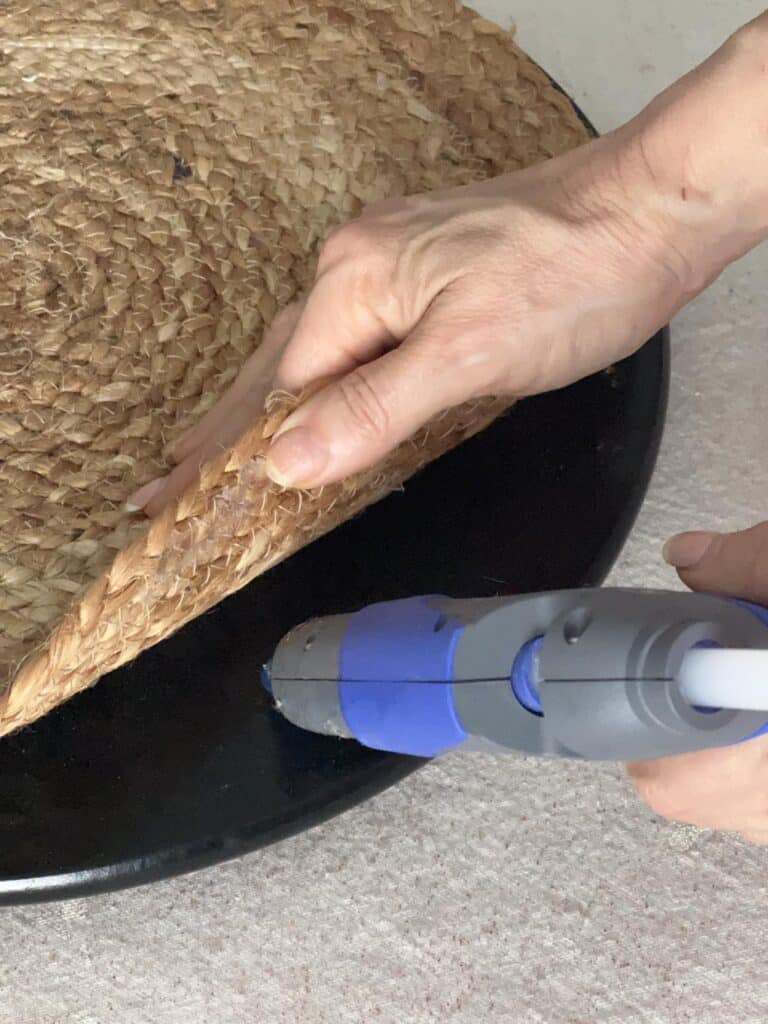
(684, 184)
(703, 144)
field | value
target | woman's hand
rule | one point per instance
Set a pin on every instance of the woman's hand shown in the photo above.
(511, 286)
(725, 788)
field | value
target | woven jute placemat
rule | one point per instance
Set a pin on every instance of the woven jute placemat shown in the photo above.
(168, 170)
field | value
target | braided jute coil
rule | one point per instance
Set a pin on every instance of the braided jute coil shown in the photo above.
(168, 170)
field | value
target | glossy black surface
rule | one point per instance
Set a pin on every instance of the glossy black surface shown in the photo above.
(177, 760)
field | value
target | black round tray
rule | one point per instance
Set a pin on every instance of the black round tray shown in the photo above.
(177, 761)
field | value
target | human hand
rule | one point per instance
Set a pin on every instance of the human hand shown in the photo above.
(511, 286)
(726, 788)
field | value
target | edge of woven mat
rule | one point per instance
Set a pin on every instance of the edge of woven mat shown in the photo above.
(229, 526)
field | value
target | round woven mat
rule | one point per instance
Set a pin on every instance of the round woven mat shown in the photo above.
(167, 172)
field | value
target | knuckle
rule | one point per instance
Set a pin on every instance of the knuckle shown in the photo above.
(366, 412)
(362, 251)
(337, 244)
(346, 238)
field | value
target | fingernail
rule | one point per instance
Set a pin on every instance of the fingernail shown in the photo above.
(141, 498)
(296, 458)
(687, 549)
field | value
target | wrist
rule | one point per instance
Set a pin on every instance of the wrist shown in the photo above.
(696, 159)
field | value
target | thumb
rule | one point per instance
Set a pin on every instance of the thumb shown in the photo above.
(355, 421)
(725, 563)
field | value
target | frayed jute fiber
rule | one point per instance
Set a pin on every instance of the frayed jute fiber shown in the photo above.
(168, 171)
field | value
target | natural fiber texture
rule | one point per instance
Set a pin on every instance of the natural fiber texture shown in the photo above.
(167, 172)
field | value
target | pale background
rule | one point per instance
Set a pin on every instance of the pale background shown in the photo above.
(480, 890)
